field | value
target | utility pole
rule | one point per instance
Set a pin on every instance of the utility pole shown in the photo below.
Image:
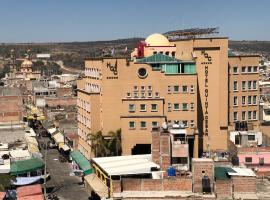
(45, 170)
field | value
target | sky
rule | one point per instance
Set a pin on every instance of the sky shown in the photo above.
(93, 20)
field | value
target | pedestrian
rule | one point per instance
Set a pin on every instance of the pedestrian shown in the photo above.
(83, 180)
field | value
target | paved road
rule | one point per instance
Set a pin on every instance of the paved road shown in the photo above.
(63, 185)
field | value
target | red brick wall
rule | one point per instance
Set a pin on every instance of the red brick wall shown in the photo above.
(223, 188)
(177, 184)
(244, 184)
(63, 102)
(198, 167)
(116, 186)
(173, 184)
(11, 108)
(60, 92)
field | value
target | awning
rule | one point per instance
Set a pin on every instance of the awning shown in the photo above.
(83, 163)
(31, 140)
(29, 190)
(64, 147)
(52, 130)
(19, 154)
(24, 166)
(97, 185)
(58, 137)
(32, 197)
(221, 173)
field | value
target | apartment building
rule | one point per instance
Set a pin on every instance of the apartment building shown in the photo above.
(244, 93)
(181, 81)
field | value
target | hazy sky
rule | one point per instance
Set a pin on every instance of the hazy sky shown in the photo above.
(89, 20)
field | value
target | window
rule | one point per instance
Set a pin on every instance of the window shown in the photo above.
(235, 101)
(235, 116)
(235, 70)
(128, 94)
(243, 115)
(255, 69)
(143, 108)
(191, 106)
(237, 140)
(153, 107)
(192, 123)
(136, 88)
(169, 107)
(249, 115)
(249, 69)
(169, 89)
(143, 125)
(131, 107)
(131, 125)
(150, 88)
(185, 123)
(185, 89)
(136, 95)
(142, 73)
(185, 106)
(254, 100)
(249, 100)
(176, 106)
(248, 159)
(142, 94)
(176, 88)
(251, 137)
(157, 95)
(249, 85)
(243, 85)
(254, 114)
(167, 53)
(150, 95)
(143, 88)
(173, 53)
(243, 100)
(235, 86)
(254, 85)
(243, 69)
(154, 124)
(192, 89)
(261, 161)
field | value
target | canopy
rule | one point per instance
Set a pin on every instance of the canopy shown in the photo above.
(52, 130)
(24, 166)
(19, 154)
(29, 190)
(97, 185)
(64, 147)
(32, 197)
(58, 137)
(83, 163)
(221, 173)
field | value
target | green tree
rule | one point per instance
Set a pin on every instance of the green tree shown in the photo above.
(114, 144)
(98, 144)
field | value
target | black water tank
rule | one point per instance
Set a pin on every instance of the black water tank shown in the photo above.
(206, 187)
(235, 161)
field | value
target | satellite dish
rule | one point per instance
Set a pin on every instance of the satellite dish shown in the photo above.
(164, 125)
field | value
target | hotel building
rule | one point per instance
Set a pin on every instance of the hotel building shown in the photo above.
(184, 81)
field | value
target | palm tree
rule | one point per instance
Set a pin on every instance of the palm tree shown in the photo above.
(114, 143)
(98, 144)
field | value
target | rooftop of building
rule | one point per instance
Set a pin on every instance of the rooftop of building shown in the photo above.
(10, 91)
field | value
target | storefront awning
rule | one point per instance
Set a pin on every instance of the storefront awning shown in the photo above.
(64, 147)
(24, 166)
(83, 163)
(58, 137)
(97, 185)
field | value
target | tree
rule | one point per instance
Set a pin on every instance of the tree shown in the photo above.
(114, 144)
(98, 144)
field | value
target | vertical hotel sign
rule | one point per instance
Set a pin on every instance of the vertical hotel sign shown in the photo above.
(207, 61)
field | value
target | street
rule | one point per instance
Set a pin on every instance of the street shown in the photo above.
(61, 184)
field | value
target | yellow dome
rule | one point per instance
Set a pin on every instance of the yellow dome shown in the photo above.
(27, 63)
(157, 39)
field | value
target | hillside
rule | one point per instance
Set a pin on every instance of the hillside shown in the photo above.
(73, 53)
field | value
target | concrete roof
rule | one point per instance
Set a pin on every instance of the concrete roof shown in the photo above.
(241, 172)
(126, 165)
(9, 91)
